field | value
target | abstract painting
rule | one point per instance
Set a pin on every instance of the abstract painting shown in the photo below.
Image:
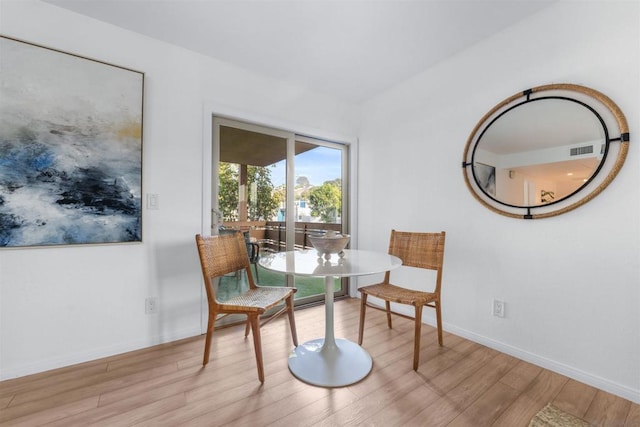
(486, 176)
(70, 148)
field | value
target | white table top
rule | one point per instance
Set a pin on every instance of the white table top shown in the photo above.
(306, 263)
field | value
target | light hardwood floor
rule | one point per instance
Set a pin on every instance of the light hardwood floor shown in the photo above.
(460, 384)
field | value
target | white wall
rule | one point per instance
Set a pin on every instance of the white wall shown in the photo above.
(572, 282)
(65, 305)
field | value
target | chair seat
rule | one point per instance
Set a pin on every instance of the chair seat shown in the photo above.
(261, 299)
(399, 295)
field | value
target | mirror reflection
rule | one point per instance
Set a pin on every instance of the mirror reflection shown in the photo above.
(545, 151)
(539, 152)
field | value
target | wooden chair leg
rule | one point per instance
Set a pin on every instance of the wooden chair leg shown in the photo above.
(387, 305)
(246, 327)
(257, 344)
(207, 342)
(416, 339)
(439, 319)
(292, 321)
(363, 309)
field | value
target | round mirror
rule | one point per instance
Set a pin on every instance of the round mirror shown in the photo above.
(545, 151)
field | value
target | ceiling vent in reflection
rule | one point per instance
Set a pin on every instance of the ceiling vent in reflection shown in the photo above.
(578, 151)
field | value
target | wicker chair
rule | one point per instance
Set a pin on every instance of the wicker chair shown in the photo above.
(421, 250)
(223, 254)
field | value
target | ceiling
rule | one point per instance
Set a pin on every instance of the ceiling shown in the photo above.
(351, 50)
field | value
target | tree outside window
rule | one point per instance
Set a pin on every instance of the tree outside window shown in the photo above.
(326, 201)
(263, 202)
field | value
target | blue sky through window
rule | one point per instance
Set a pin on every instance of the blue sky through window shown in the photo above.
(318, 165)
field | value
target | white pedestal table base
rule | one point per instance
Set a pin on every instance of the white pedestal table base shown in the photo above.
(328, 362)
(346, 363)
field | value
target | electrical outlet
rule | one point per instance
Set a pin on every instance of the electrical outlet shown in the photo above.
(498, 308)
(151, 305)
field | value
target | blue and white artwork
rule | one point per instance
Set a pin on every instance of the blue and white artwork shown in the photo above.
(486, 177)
(70, 149)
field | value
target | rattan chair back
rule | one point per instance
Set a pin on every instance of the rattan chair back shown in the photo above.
(419, 250)
(222, 254)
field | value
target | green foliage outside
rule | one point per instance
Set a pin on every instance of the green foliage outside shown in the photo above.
(326, 201)
(228, 176)
(266, 204)
(263, 203)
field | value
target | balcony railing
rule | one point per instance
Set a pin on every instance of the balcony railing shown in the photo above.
(271, 234)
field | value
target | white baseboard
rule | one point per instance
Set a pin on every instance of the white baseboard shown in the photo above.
(49, 364)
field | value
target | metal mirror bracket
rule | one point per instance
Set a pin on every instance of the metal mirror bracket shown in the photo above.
(599, 104)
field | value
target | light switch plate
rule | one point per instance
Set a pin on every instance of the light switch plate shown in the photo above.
(153, 201)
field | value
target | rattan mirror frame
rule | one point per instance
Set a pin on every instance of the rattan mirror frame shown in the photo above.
(596, 100)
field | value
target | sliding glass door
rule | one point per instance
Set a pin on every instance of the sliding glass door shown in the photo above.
(277, 188)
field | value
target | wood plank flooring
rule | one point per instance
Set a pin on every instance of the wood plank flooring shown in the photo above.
(460, 384)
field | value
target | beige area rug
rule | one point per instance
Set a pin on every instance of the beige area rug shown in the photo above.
(551, 416)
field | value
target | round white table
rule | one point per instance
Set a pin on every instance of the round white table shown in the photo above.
(330, 362)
